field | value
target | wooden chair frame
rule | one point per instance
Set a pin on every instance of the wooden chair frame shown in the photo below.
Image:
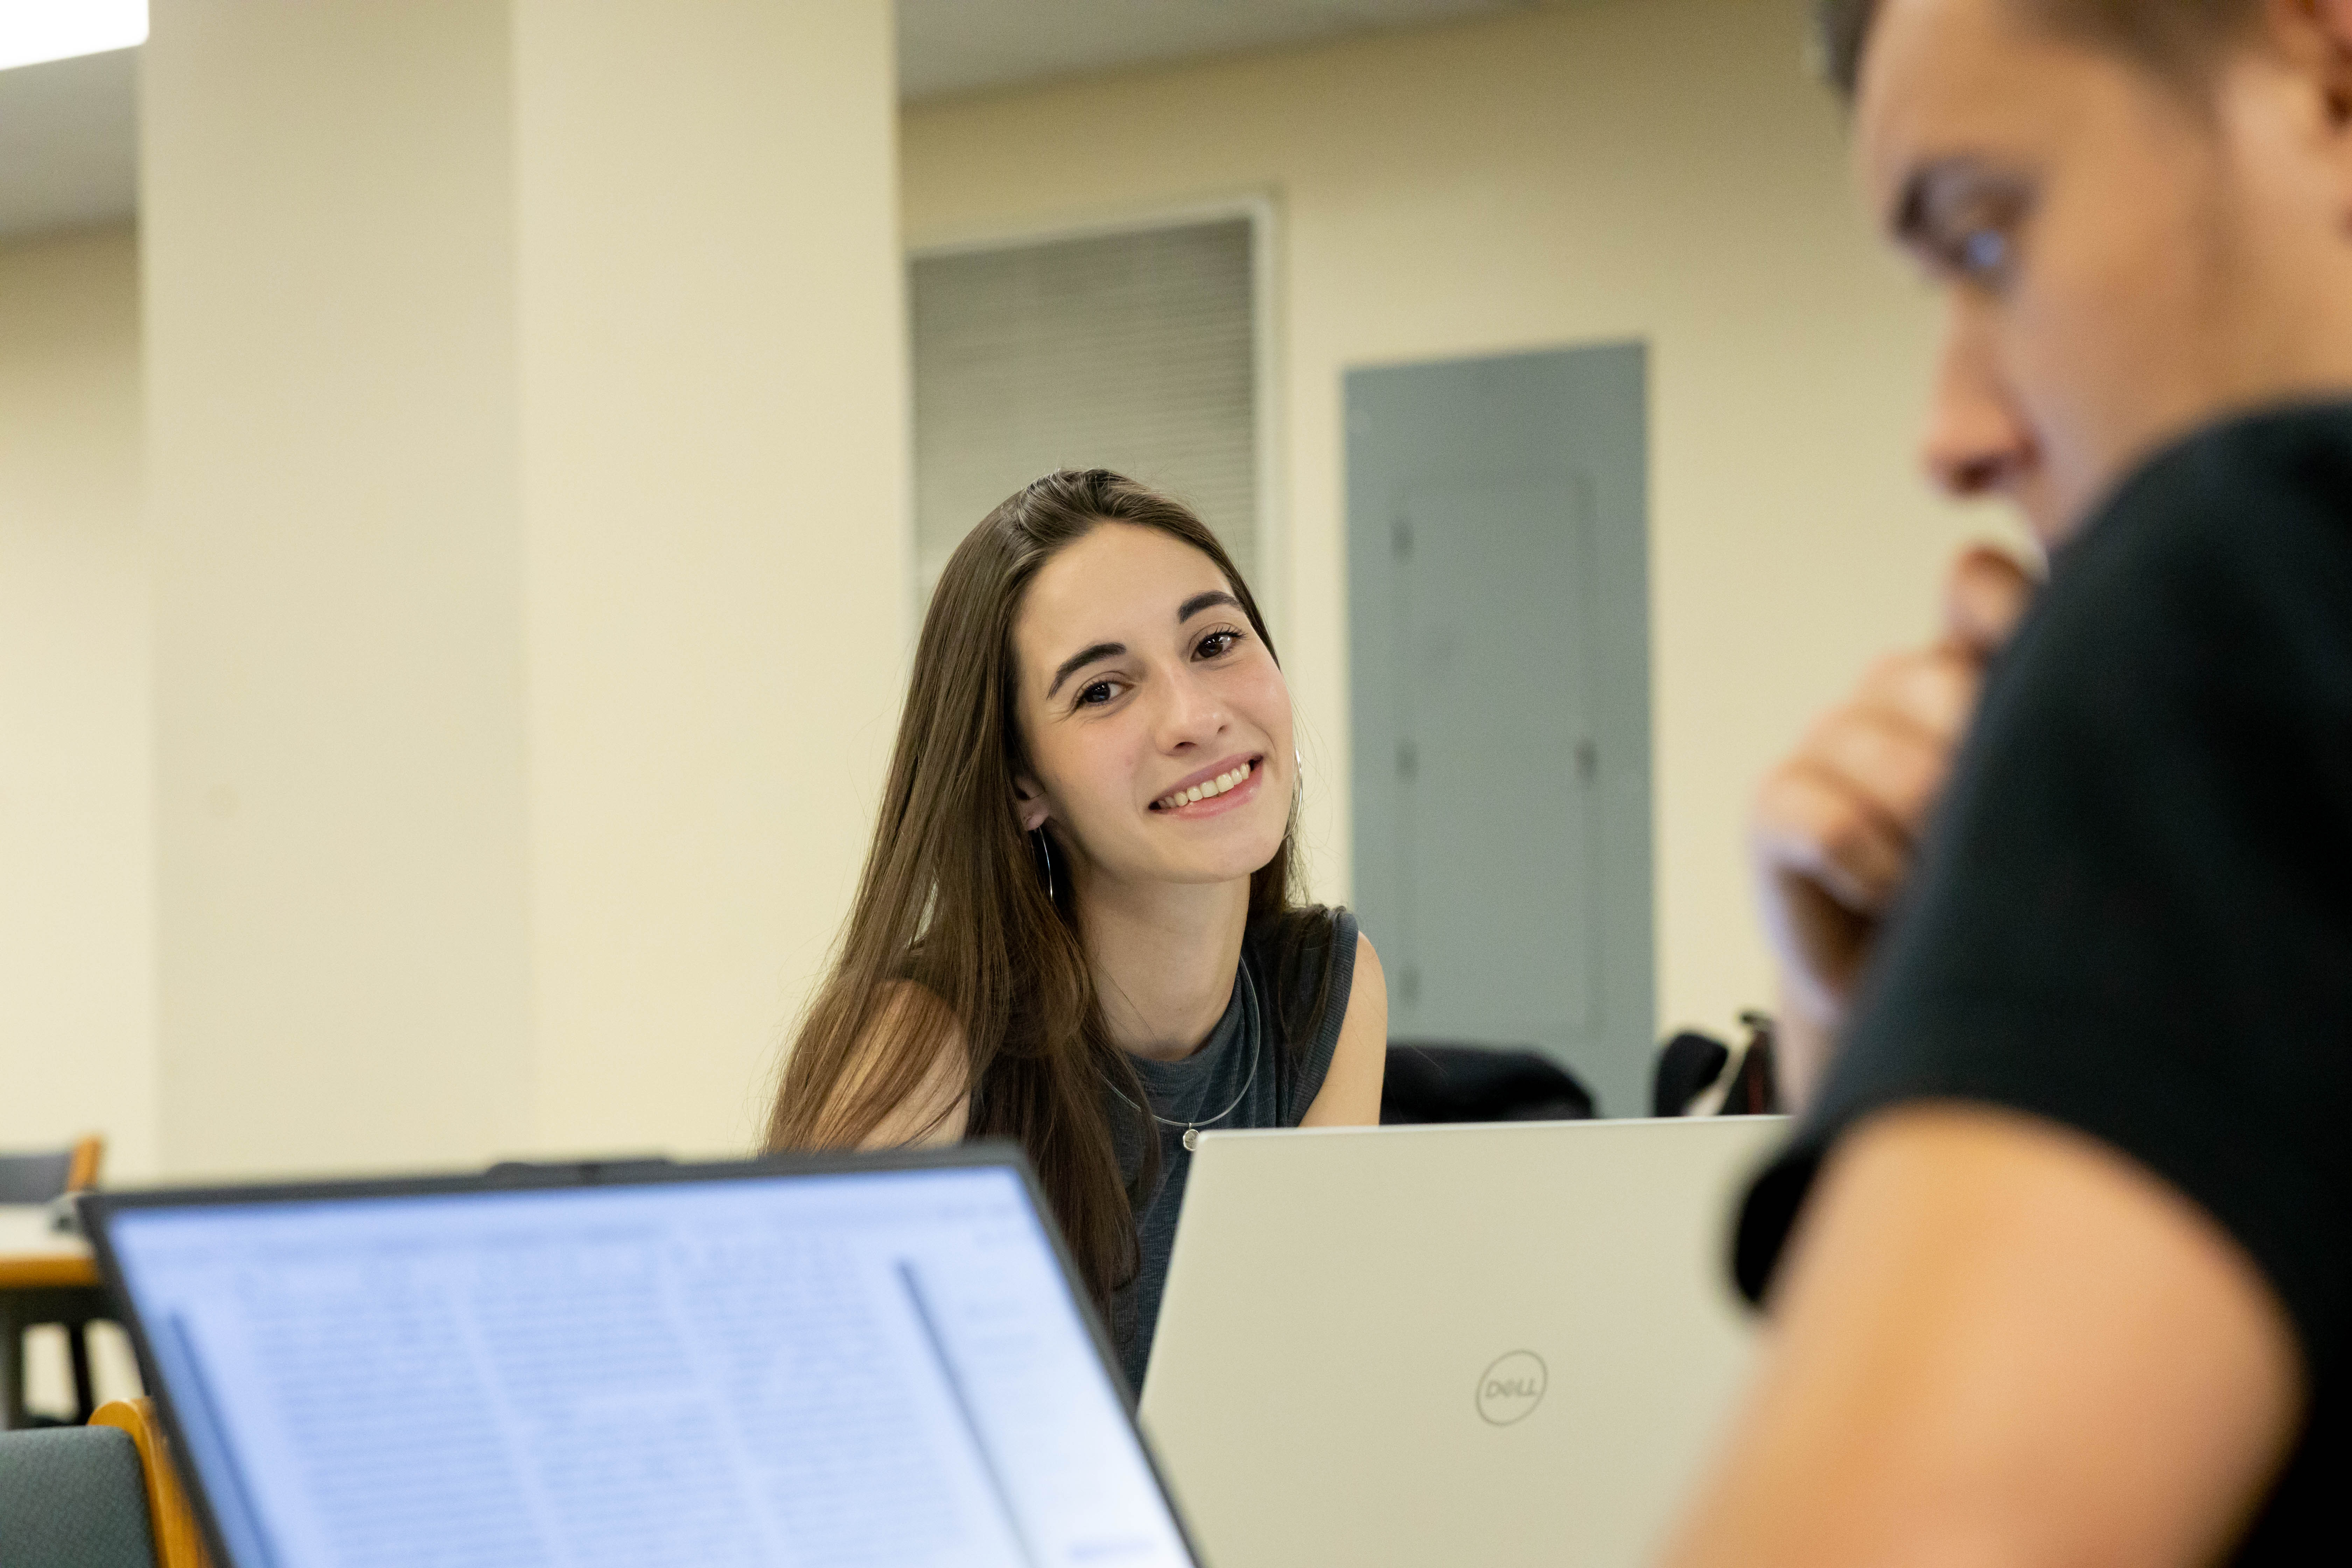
(179, 1540)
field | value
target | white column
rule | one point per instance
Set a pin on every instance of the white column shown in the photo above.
(504, 361)
(713, 493)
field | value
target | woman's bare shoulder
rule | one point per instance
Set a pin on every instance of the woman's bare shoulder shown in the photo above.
(1350, 1096)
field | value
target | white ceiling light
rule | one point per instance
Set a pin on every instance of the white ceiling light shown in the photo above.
(31, 31)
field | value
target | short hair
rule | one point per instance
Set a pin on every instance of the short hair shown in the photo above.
(2179, 39)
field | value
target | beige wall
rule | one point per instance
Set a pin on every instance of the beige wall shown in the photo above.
(76, 991)
(499, 805)
(1659, 169)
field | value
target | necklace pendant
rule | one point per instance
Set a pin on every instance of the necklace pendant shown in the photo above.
(1191, 1139)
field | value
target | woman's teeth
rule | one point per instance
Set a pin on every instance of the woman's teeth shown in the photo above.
(1198, 792)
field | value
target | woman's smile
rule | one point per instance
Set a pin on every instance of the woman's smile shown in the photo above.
(1214, 789)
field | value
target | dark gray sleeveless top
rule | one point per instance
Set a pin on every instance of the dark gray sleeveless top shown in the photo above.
(1290, 1074)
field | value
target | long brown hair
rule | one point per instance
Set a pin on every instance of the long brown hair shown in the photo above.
(952, 898)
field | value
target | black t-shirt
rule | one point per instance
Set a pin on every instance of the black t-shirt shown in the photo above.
(2133, 914)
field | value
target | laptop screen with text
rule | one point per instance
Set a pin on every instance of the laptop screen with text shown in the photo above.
(881, 1366)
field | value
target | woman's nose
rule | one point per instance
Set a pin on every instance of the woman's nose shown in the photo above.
(1190, 712)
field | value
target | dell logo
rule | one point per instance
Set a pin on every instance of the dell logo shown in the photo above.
(1509, 1390)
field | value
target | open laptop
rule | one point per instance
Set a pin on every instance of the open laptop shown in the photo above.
(866, 1360)
(1500, 1344)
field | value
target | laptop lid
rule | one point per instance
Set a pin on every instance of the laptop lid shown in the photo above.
(1502, 1344)
(852, 1360)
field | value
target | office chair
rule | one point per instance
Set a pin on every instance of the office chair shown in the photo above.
(46, 1177)
(1691, 1065)
(1430, 1080)
(43, 1178)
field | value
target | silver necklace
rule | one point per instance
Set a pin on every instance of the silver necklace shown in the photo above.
(1257, 1043)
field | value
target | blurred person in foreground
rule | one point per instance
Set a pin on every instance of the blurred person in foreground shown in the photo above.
(2060, 1260)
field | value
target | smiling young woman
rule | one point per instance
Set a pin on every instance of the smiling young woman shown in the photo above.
(1078, 926)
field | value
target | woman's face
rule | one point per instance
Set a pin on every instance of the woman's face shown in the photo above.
(1157, 723)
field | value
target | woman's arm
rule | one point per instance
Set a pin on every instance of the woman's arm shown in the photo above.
(1999, 1344)
(936, 1112)
(1350, 1096)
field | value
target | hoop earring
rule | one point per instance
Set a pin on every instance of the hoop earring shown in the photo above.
(1045, 849)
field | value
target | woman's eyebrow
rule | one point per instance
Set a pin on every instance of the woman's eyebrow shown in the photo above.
(1080, 659)
(1199, 602)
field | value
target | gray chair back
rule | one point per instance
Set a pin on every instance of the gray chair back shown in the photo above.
(35, 1178)
(73, 1497)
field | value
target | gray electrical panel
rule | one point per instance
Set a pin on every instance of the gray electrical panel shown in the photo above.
(1498, 612)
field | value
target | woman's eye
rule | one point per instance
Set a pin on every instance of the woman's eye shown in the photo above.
(1096, 695)
(1217, 644)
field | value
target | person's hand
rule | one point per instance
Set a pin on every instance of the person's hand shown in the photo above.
(1837, 824)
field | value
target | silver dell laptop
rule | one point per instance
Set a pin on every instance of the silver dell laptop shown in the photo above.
(873, 1360)
(1501, 1345)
